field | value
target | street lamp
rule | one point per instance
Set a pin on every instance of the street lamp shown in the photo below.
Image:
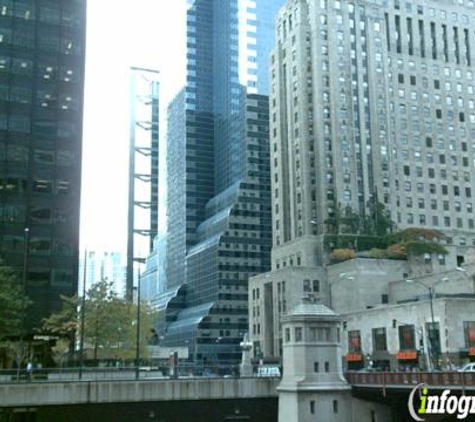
(217, 342)
(21, 351)
(83, 316)
(431, 290)
(137, 345)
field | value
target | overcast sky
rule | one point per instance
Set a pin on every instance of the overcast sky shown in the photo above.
(144, 33)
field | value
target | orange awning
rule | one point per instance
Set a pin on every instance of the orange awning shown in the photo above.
(407, 355)
(354, 357)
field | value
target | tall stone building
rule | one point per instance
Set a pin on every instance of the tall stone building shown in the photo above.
(371, 102)
(42, 53)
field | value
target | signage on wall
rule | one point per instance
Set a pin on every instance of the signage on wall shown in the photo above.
(407, 355)
(354, 357)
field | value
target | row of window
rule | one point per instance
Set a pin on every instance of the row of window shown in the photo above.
(312, 334)
(433, 204)
(407, 337)
(46, 41)
(23, 124)
(42, 157)
(67, 14)
(20, 185)
(437, 222)
(16, 214)
(36, 245)
(48, 72)
(443, 189)
(47, 98)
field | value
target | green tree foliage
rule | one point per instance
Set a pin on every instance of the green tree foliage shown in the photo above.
(110, 324)
(374, 235)
(13, 303)
(347, 221)
(419, 241)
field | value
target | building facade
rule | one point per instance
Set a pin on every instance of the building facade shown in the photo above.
(42, 51)
(371, 103)
(313, 382)
(103, 265)
(233, 243)
(218, 203)
(400, 337)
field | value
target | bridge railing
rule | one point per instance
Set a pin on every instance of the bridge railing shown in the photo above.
(118, 373)
(388, 379)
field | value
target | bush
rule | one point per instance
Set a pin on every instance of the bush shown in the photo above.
(339, 255)
(377, 253)
(397, 251)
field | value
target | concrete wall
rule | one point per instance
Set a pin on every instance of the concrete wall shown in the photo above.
(458, 282)
(44, 394)
(349, 409)
(360, 283)
(275, 300)
(449, 313)
(364, 411)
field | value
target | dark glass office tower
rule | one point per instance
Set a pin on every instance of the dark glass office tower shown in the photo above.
(218, 205)
(42, 49)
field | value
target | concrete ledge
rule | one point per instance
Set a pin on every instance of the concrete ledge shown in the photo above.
(64, 393)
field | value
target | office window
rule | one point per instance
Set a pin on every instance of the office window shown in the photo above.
(287, 335)
(316, 285)
(379, 339)
(469, 330)
(306, 286)
(354, 341)
(407, 337)
(298, 334)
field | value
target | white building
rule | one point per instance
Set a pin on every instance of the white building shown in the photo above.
(103, 265)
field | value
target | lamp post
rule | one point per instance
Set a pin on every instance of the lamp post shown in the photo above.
(431, 289)
(21, 350)
(83, 317)
(137, 344)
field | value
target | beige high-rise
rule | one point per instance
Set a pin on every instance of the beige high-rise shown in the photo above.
(371, 101)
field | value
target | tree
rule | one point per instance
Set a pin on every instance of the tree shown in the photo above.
(13, 303)
(64, 324)
(109, 323)
(419, 241)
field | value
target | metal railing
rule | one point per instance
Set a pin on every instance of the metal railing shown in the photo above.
(410, 379)
(185, 371)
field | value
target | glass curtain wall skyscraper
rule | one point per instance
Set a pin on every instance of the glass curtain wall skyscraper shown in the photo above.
(42, 50)
(218, 204)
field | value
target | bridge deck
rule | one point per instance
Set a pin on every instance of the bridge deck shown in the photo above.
(83, 392)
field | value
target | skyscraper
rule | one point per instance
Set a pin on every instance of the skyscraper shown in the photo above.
(42, 48)
(103, 265)
(372, 102)
(218, 201)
